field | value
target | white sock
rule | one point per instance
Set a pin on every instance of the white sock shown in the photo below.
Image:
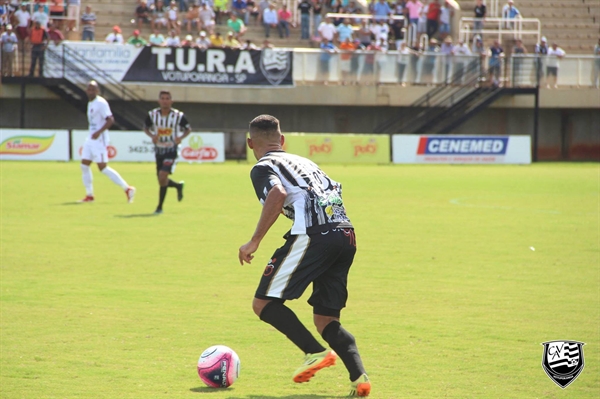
(86, 174)
(115, 177)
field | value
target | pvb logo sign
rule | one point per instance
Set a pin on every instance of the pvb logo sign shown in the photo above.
(563, 361)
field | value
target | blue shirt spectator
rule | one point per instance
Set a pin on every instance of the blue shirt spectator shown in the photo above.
(327, 48)
(381, 10)
(509, 11)
(344, 31)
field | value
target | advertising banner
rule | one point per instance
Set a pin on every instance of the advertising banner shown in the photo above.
(338, 148)
(34, 145)
(137, 147)
(413, 148)
(127, 63)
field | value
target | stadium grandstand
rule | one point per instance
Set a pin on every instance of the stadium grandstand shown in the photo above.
(408, 66)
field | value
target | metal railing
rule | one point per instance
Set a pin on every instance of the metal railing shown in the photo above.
(500, 27)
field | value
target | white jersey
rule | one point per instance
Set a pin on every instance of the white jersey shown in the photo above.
(97, 112)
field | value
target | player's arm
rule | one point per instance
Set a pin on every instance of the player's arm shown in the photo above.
(107, 124)
(272, 194)
(186, 127)
(147, 126)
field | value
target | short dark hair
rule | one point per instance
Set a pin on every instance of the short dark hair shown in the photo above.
(265, 123)
(164, 92)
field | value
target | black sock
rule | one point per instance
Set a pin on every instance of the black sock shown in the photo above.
(343, 343)
(285, 320)
(161, 196)
(173, 184)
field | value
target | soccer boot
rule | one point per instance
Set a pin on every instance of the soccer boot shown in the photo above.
(130, 193)
(180, 191)
(314, 362)
(360, 387)
(158, 211)
(88, 198)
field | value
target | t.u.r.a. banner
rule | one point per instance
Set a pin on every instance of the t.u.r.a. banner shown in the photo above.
(219, 66)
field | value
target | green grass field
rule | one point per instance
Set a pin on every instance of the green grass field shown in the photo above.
(447, 298)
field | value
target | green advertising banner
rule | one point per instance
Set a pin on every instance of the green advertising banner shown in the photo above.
(337, 148)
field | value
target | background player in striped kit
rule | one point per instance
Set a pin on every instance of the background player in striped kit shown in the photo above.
(319, 249)
(163, 125)
(100, 119)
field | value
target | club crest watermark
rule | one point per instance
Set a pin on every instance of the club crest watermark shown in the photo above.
(563, 361)
(275, 65)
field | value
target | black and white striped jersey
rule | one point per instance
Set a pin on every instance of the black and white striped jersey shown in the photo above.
(314, 201)
(167, 128)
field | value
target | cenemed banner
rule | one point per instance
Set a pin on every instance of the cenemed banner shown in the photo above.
(169, 65)
(338, 148)
(412, 148)
(34, 145)
(137, 147)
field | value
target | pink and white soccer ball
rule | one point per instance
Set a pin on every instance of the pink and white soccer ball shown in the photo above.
(219, 366)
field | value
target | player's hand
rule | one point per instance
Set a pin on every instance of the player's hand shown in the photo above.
(246, 251)
(155, 139)
(177, 140)
(95, 136)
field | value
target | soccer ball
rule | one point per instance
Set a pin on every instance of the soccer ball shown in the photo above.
(219, 366)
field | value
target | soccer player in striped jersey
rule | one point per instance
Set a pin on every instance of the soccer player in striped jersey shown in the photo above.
(319, 249)
(164, 125)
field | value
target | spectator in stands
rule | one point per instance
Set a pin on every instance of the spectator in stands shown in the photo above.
(368, 72)
(157, 39)
(327, 49)
(495, 63)
(381, 30)
(541, 51)
(159, 19)
(413, 8)
(427, 68)
(270, 19)
(173, 18)
(236, 25)
(285, 19)
(142, 14)
(462, 59)
(447, 49)
(344, 32)
(404, 55)
(173, 39)
(207, 18)
(192, 18)
(446, 14)
(23, 18)
(115, 36)
(188, 42)
(337, 8)
(240, 9)
(517, 53)
(220, 9)
(203, 42)
(364, 34)
(347, 47)
(39, 41)
(317, 11)
(248, 45)
(216, 40)
(555, 54)
(397, 28)
(327, 30)
(252, 12)
(8, 40)
(596, 81)
(305, 7)
(57, 10)
(88, 21)
(381, 10)
(433, 17)
(136, 40)
(422, 24)
(509, 11)
(183, 5)
(5, 13)
(266, 45)
(72, 13)
(262, 6)
(480, 13)
(54, 34)
(41, 16)
(231, 41)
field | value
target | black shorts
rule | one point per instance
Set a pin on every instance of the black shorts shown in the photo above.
(323, 259)
(166, 162)
(552, 71)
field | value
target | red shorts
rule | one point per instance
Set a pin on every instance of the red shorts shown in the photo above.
(22, 32)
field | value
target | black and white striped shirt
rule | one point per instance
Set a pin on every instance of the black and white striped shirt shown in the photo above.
(313, 202)
(167, 128)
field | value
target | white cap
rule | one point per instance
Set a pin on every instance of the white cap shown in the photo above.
(544, 39)
(189, 38)
(202, 33)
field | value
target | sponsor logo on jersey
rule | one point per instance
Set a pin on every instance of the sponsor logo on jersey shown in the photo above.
(162, 132)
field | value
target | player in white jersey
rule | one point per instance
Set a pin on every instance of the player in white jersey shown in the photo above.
(100, 119)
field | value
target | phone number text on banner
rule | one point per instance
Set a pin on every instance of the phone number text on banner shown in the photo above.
(268, 67)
